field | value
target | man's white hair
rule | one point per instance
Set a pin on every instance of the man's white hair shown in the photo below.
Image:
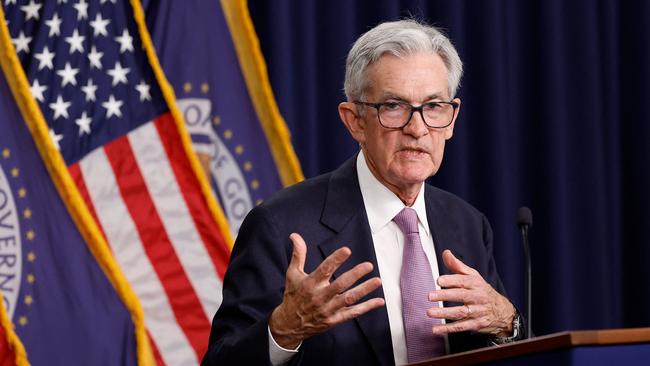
(400, 38)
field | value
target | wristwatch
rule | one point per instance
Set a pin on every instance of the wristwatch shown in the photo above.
(516, 331)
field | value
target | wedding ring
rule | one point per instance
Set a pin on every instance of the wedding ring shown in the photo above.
(469, 311)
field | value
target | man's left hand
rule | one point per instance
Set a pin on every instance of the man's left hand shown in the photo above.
(484, 310)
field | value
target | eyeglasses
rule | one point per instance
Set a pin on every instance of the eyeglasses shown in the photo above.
(396, 115)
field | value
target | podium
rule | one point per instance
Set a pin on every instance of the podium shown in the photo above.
(617, 347)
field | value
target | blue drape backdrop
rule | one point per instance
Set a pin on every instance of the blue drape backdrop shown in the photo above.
(556, 107)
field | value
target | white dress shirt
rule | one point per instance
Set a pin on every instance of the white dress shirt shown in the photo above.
(381, 206)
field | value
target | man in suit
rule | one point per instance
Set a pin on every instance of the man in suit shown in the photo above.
(368, 264)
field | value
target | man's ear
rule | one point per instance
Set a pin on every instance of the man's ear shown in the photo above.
(353, 121)
(449, 130)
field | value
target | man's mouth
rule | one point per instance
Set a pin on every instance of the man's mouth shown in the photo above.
(412, 152)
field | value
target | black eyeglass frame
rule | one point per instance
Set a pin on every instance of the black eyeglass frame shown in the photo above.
(453, 104)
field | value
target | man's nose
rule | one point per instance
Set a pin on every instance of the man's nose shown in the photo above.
(416, 126)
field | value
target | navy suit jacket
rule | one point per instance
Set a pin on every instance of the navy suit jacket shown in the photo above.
(328, 212)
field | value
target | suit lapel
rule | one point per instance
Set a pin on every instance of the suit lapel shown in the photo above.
(345, 214)
(445, 234)
(443, 230)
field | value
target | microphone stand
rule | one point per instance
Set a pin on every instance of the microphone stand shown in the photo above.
(529, 312)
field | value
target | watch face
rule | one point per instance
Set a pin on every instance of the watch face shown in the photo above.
(516, 326)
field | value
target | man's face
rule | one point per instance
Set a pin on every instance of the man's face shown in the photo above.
(403, 159)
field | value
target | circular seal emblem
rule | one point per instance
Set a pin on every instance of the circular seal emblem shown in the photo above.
(227, 176)
(10, 246)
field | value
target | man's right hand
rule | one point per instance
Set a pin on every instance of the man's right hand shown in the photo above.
(312, 304)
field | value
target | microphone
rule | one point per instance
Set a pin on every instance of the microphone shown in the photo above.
(525, 222)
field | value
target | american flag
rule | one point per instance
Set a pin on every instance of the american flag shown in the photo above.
(98, 91)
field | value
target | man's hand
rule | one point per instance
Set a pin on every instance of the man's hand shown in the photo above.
(484, 310)
(312, 304)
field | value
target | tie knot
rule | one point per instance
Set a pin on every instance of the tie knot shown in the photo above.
(407, 221)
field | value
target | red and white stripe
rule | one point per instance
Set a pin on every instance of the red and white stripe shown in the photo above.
(149, 204)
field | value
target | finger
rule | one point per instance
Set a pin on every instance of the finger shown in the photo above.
(353, 295)
(455, 265)
(354, 311)
(456, 312)
(470, 324)
(299, 252)
(453, 295)
(327, 268)
(458, 281)
(348, 278)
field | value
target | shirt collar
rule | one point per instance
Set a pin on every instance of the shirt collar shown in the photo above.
(381, 204)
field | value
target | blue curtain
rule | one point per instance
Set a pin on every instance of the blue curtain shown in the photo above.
(556, 107)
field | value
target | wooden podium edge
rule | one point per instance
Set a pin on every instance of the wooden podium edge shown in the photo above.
(544, 343)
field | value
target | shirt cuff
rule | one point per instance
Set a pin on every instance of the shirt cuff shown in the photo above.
(278, 355)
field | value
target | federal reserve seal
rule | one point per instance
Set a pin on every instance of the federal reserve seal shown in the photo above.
(10, 240)
(219, 163)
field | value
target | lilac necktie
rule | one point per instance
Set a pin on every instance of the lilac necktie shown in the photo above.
(416, 281)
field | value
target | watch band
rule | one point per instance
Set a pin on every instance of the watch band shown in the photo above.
(516, 331)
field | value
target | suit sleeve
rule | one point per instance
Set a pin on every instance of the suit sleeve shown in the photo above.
(253, 287)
